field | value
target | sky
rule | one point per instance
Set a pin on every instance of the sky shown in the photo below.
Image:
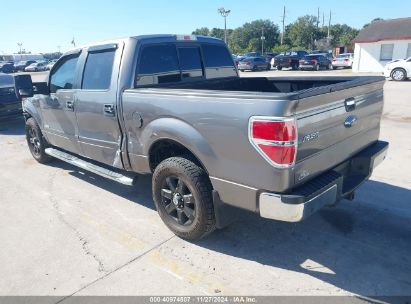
(49, 25)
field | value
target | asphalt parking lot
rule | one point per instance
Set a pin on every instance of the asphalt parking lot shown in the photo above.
(66, 232)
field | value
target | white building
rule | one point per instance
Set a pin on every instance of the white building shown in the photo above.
(381, 42)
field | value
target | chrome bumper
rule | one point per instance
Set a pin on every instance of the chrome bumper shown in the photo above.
(329, 188)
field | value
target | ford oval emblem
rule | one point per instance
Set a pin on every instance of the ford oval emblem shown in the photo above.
(350, 121)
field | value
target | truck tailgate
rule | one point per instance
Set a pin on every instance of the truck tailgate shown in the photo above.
(334, 126)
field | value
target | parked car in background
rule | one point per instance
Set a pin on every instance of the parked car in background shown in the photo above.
(343, 61)
(6, 67)
(10, 104)
(252, 54)
(315, 62)
(269, 57)
(253, 64)
(398, 70)
(21, 65)
(51, 63)
(326, 53)
(289, 59)
(36, 67)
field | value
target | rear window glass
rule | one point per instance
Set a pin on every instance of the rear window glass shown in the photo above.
(98, 70)
(190, 62)
(216, 56)
(158, 64)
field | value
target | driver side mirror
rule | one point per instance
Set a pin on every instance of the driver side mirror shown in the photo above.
(24, 85)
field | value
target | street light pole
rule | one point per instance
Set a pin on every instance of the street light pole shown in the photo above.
(262, 41)
(223, 12)
(20, 45)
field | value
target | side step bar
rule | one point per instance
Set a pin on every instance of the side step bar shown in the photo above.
(83, 164)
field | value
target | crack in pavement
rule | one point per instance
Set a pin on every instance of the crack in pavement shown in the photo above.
(82, 239)
(117, 269)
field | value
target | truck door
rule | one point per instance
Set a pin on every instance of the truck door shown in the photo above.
(96, 106)
(57, 109)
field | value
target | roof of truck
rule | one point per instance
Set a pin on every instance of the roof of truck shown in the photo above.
(159, 37)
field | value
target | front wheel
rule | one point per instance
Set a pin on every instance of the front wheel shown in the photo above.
(398, 74)
(36, 142)
(182, 194)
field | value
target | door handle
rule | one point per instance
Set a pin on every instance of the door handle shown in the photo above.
(70, 105)
(109, 109)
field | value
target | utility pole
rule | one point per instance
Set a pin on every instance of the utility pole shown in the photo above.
(318, 17)
(224, 13)
(329, 25)
(262, 41)
(323, 20)
(20, 45)
(283, 22)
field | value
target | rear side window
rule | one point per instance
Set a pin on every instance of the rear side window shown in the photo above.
(98, 70)
(190, 62)
(158, 64)
(64, 75)
(216, 56)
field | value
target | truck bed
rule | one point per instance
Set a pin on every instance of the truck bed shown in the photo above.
(220, 109)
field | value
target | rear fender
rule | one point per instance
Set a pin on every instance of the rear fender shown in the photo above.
(180, 132)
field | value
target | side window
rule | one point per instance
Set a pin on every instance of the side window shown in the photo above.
(63, 77)
(98, 70)
(158, 64)
(386, 51)
(190, 62)
(216, 56)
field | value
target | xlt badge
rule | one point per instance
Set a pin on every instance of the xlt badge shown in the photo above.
(310, 137)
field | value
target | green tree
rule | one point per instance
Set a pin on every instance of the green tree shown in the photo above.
(373, 20)
(203, 31)
(248, 36)
(342, 34)
(303, 32)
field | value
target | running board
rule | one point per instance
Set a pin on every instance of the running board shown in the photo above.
(83, 164)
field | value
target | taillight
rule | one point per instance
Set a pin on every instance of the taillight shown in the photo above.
(289, 60)
(275, 139)
(313, 61)
(334, 59)
(346, 59)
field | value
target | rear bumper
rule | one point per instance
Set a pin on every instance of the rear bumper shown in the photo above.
(326, 189)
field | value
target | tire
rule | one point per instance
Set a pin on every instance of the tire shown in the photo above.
(268, 67)
(279, 68)
(36, 142)
(334, 68)
(294, 67)
(398, 74)
(182, 194)
(254, 68)
(317, 67)
(330, 67)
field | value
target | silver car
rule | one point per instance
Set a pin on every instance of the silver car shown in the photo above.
(36, 67)
(254, 64)
(343, 60)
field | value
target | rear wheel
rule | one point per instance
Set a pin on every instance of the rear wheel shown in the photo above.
(398, 74)
(317, 67)
(182, 194)
(279, 67)
(36, 142)
(330, 67)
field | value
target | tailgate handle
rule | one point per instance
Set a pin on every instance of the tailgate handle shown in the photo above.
(350, 104)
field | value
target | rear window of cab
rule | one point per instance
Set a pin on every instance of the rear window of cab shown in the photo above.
(170, 63)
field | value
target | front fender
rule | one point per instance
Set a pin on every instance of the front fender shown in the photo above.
(180, 132)
(30, 108)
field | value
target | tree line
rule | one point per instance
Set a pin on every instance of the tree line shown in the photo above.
(304, 33)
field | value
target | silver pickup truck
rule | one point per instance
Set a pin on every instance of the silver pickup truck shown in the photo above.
(174, 107)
